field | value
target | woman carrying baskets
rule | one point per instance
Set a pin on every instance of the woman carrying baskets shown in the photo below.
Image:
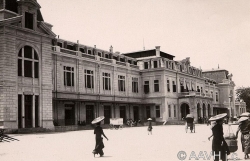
(219, 145)
(244, 127)
(98, 133)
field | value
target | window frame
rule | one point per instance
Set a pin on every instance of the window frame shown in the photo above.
(89, 76)
(157, 111)
(135, 85)
(106, 79)
(69, 71)
(156, 85)
(121, 83)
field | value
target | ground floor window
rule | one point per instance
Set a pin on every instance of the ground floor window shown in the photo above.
(157, 111)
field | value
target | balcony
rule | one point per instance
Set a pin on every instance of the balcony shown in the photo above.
(121, 63)
(88, 56)
(134, 66)
(105, 60)
(193, 93)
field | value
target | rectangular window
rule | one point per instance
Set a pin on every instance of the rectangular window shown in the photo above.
(212, 95)
(106, 81)
(174, 86)
(155, 64)
(169, 110)
(156, 85)
(216, 97)
(157, 111)
(135, 85)
(121, 83)
(36, 70)
(182, 87)
(28, 68)
(174, 111)
(20, 64)
(145, 65)
(201, 90)
(68, 76)
(168, 86)
(28, 20)
(146, 87)
(89, 78)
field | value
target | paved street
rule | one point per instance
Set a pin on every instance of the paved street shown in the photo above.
(126, 144)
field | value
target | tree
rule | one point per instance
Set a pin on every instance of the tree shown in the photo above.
(243, 93)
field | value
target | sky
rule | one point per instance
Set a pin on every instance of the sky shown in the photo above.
(211, 32)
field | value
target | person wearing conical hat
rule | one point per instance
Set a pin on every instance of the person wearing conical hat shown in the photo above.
(219, 145)
(244, 127)
(150, 126)
(98, 136)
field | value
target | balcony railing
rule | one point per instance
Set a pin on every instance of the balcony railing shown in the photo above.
(134, 66)
(120, 63)
(88, 56)
(106, 60)
(67, 51)
(193, 93)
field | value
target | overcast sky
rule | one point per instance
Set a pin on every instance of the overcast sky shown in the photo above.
(210, 32)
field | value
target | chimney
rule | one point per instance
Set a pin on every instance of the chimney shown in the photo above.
(94, 46)
(111, 49)
(157, 49)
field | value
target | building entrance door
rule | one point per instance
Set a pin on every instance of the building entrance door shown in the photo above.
(123, 113)
(136, 113)
(148, 113)
(89, 114)
(69, 114)
(28, 101)
(184, 110)
(107, 114)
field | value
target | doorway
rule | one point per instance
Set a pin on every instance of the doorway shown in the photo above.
(184, 110)
(123, 113)
(107, 114)
(69, 114)
(136, 113)
(89, 114)
(28, 101)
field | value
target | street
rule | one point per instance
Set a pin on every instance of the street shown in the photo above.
(127, 144)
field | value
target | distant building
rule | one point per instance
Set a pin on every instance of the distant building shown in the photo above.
(46, 81)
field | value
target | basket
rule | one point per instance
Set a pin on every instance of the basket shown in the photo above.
(231, 140)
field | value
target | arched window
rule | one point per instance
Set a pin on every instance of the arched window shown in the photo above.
(28, 63)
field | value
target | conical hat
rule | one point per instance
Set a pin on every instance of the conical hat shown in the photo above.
(218, 117)
(149, 119)
(243, 119)
(98, 119)
(190, 116)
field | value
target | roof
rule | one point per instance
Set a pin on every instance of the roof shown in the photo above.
(214, 70)
(148, 53)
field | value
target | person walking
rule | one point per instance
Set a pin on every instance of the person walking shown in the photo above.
(219, 146)
(150, 126)
(244, 127)
(98, 136)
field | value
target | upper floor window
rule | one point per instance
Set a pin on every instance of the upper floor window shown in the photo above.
(106, 81)
(146, 65)
(146, 87)
(89, 78)
(121, 83)
(198, 89)
(155, 64)
(135, 85)
(28, 63)
(68, 76)
(216, 97)
(182, 87)
(168, 86)
(82, 50)
(201, 90)
(29, 20)
(212, 95)
(174, 86)
(89, 52)
(156, 85)
(157, 111)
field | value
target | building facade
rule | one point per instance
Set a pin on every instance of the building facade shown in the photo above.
(46, 81)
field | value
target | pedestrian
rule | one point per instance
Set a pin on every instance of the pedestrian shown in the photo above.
(244, 127)
(150, 126)
(219, 146)
(98, 136)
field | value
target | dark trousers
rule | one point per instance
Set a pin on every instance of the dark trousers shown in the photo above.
(99, 146)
